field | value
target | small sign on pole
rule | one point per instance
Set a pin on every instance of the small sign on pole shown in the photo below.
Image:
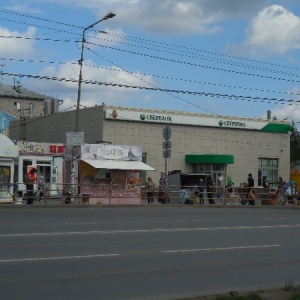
(74, 138)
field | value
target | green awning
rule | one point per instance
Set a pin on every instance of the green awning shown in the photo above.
(280, 128)
(209, 159)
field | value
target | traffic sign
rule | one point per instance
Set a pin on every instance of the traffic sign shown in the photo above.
(167, 132)
(167, 145)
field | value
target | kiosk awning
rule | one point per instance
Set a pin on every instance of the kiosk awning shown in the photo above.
(118, 164)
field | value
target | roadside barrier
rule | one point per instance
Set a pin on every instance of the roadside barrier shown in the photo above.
(133, 194)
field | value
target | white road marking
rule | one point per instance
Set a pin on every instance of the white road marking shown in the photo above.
(219, 249)
(57, 258)
(33, 234)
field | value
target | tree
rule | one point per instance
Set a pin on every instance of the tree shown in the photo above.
(295, 146)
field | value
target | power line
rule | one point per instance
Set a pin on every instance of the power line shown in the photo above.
(157, 57)
(148, 41)
(194, 93)
(148, 74)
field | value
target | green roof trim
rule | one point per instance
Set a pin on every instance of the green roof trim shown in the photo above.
(209, 159)
(280, 128)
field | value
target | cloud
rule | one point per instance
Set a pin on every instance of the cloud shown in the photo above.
(289, 112)
(275, 30)
(15, 47)
(91, 94)
(172, 17)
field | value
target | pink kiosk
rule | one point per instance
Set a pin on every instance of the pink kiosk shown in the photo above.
(111, 174)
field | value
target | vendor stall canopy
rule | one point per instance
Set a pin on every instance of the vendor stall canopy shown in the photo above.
(118, 165)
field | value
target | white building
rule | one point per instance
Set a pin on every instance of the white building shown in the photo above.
(228, 148)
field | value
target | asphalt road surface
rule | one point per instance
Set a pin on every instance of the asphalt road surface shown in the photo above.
(145, 252)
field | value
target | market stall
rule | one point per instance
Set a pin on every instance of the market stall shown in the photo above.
(47, 158)
(8, 152)
(111, 174)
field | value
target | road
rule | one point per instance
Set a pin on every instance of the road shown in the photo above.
(156, 252)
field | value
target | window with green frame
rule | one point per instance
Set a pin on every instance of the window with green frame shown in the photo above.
(267, 167)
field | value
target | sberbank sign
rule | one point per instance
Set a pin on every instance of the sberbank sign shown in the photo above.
(232, 123)
(145, 117)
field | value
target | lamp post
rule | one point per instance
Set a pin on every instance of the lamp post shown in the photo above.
(76, 144)
(107, 16)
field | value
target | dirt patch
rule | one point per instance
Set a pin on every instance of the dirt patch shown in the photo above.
(274, 294)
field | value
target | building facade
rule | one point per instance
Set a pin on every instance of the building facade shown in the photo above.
(17, 103)
(228, 148)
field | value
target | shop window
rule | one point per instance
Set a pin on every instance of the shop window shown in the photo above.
(267, 167)
(218, 167)
(26, 164)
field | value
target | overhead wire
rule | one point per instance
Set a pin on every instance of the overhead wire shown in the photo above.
(157, 57)
(175, 91)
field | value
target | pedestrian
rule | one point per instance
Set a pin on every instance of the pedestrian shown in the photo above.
(162, 188)
(210, 190)
(293, 186)
(291, 191)
(280, 190)
(30, 179)
(41, 187)
(150, 187)
(266, 187)
(229, 190)
(241, 192)
(250, 187)
(201, 186)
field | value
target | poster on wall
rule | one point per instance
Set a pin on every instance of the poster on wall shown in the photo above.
(113, 152)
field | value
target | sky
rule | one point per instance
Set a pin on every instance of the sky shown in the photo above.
(219, 57)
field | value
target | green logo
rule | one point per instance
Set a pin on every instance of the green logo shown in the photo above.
(142, 117)
(221, 123)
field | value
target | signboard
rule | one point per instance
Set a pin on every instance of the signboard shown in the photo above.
(167, 132)
(114, 152)
(167, 145)
(166, 153)
(74, 138)
(198, 120)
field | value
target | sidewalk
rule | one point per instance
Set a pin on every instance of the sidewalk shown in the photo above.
(51, 202)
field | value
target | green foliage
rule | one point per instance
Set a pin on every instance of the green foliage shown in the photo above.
(295, 147)
(295, 296)
(289, 286)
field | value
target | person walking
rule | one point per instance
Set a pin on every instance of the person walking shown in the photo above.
(162, 188)
(30, 179)
(250, 186)
(210, 190)
(150, 187)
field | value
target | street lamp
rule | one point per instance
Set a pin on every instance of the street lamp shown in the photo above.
(107, 16)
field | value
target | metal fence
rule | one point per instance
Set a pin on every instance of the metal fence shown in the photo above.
(83, 193)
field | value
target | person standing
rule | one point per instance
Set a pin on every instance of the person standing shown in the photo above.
(250, 186)
(150, 186)
(292, 185)
(266, 187)
(41, 187)
(162, 188)
(30, 180)
(280, 190)
(201, 187)
(210, 190)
